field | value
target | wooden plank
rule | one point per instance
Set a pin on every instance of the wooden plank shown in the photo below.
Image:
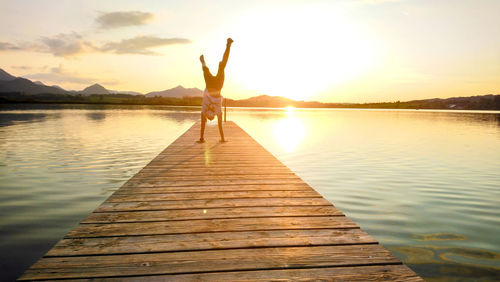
(222, 149)
(218, 156)
(209, 225)
(212, 172)
(211, 195)
(206, 204)
(208, 261)
(208, 155)
(215, 170)
(397, 273)
(144, 216)
(157, 183)
(214, 161)
(207, 241)
(160, 178)
(220, 188)
(209, 165)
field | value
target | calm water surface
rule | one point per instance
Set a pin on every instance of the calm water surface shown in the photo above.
(426, 184)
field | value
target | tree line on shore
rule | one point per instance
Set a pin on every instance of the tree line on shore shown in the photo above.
(483, 102)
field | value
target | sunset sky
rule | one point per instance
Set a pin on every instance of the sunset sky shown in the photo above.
(331, 51)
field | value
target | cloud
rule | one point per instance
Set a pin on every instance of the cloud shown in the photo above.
(65, 44)
(25, 68)
(141, 45)
(58, 70)
(8, 46)
(30, 68)
(72, 44)
(122, 19)
(60, 75)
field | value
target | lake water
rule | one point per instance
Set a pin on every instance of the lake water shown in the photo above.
(426, 184)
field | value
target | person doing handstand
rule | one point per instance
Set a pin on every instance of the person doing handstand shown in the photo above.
(212, 99)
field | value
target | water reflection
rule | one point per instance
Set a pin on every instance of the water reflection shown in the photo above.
(7, 119)
(289, 131)
(96, 116)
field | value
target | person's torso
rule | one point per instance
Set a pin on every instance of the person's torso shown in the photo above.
(214, 84)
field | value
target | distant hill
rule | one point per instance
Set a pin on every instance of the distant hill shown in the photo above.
(94, 89)
(279, 102)
(177, 92)
(41, 83)
(5, 76)
(57, 86)
(482, 102)
(10, 83)
(267, 101)
(124, 92)
(26, 86)
(101, 90)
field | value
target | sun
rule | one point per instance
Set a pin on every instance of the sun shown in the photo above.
(297, 51)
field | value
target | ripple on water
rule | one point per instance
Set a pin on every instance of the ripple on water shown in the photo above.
(439, 236)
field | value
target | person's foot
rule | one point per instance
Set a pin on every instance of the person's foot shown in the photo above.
(230, 41)
(223, 140)
(202, 59)
(201, 140)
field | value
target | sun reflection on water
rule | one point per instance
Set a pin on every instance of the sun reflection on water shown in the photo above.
(289, 132)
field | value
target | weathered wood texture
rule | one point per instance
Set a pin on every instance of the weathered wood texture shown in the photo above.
(217, 212)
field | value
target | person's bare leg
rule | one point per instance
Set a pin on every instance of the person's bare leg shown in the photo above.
(202, 60)
(221, 132)
(202, 130)
(225, 57)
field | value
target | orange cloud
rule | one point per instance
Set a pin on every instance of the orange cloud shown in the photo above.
(123, 19)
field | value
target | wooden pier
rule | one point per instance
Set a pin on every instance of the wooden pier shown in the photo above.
(221, 212)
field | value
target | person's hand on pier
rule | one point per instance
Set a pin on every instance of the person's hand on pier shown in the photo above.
(230, 41)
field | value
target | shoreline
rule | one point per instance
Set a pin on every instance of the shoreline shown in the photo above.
(367, 106)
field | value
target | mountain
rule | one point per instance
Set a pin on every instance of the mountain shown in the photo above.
(58, 87)
(100, 90)
(10, 83)
(277, 102)
(124, 92)
(5, 76)
(41, 83)
(26, 86)
(272, 101)
(95, 89)
(55, 86)
(177, 92)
